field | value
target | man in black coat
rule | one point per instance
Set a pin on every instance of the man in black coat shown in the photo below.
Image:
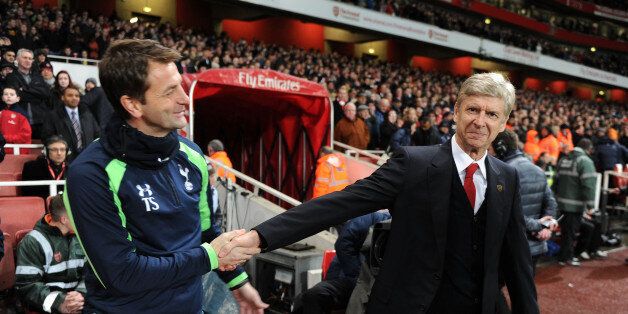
(33, 90)
(72, 122)
(96, 100)
(51, 165)
(456, 217)
(427, 134)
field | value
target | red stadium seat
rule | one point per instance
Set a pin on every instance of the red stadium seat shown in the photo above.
(20, 235)
(7, 265)
(19, 213)
(8, 190)
(13, 164)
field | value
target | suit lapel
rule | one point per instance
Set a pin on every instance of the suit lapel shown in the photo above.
(495, 190)
(439, 176)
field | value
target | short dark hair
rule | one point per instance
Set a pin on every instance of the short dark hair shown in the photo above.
(123, 69)
(507, 138)
(17, 90)
(74, 87)
(585, 144)
(57, 208)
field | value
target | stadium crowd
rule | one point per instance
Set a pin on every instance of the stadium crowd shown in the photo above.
(506, 34)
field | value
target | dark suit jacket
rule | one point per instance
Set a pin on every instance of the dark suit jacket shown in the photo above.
(415, 185)
(59, 123)
(37, 94)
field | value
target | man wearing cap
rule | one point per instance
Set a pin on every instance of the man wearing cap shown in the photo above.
(47, 73)
(371, 123)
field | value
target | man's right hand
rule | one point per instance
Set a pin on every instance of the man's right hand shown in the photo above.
(234, 256)
(73, 303)
(249, 243)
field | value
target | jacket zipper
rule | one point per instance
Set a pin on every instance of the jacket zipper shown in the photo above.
(172, 188)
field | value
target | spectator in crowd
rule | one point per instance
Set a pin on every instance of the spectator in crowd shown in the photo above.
(8, 55)
(444, 131)
(62, 81)
(50, 165)
(531, 146)
(403, 135)
(608, 152)
(47, 74)
(13, 124)
(341, 99)
(549, 144)
(165, 178)
(34, 92)
(371, 123)
(216, 151)
(213, 200)
(73, 122)
(6, 68)
(537, 200)
(334, 291)
(565, 139)
(387, 129)
(331, 173)
(49, 266)
(350, 130)
(96, 100)
(381, 112)
(427, 134)
(575, 194)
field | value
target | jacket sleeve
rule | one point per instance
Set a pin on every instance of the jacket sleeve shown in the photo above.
(350, 242)
(516, 262)
(29, 277)
(549, 206)
(588, 179)
(375, 192)
(107, 244)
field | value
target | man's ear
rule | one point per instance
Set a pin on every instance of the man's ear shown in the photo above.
(132, 106)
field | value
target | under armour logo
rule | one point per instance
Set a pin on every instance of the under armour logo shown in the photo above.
(184, 172)
(147, 196)
(145, 190)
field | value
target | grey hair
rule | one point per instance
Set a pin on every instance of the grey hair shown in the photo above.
(23, 50)
(489, 84)
(216, 145)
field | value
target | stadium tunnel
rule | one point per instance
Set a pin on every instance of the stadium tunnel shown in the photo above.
(272, 124)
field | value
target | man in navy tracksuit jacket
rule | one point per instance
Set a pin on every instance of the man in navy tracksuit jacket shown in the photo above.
(138, 196)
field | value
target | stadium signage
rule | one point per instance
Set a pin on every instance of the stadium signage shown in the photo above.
(267, 82)
(338, 12)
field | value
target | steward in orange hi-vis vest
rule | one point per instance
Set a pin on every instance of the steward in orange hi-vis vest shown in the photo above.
(331, 175)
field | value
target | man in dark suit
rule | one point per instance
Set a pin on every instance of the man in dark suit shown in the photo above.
(72, 122)
(33, 90)
(457, 218)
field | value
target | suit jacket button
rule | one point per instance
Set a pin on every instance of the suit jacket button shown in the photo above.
(422, 308)
(475, 247)
(476, 300)
(437, 276)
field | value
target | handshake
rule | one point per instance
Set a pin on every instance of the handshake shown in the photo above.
(235, 247)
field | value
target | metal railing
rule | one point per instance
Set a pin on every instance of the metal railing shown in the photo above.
(73, 60)
(20, 146)
(257, 185)
(52, 184)
(352, 151)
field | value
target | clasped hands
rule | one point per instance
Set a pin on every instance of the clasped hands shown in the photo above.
(235, 248)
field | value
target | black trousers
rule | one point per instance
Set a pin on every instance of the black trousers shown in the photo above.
(569, 225)
(325, 296)
(590, 238)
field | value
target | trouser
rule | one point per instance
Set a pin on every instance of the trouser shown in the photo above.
(569, 225)
(325, 296)
(590, 237)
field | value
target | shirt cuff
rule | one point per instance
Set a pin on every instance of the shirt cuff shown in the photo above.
(213, 257)
(50, 300)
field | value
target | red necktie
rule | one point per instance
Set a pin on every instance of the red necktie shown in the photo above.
(469, 186)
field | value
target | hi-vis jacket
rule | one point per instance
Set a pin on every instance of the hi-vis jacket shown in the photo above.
(331, 175)
(141, 231)
(575, 182)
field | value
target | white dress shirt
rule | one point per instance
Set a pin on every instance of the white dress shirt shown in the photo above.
(463, 161)
(69, 111)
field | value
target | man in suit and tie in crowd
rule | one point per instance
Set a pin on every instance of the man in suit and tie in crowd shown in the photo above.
(456, 212)
(72, 122)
